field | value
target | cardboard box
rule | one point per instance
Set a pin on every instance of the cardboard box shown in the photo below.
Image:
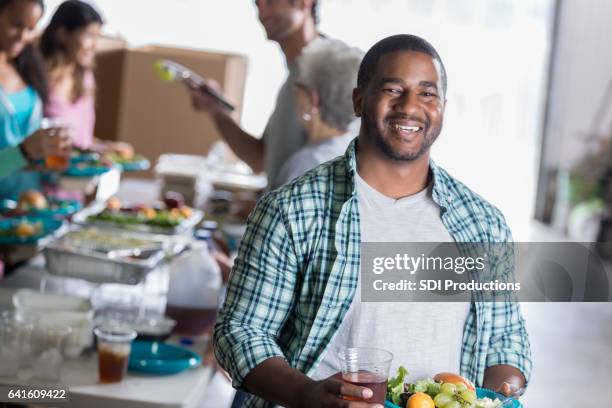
(134, 106)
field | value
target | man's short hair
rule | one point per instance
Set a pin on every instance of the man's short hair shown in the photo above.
(396, 43)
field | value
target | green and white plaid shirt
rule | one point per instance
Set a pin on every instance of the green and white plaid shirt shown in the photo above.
(298, 268)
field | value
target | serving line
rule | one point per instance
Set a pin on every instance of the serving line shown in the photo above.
(185, 390)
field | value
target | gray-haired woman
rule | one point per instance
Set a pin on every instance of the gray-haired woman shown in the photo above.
(325, 107)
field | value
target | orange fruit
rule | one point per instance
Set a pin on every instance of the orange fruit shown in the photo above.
(453, 379)
(149, 212)
(113, 204)
(186, 211)
(420, 400)
(25, 229)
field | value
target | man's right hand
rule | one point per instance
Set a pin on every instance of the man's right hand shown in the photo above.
(329, 393)
(202, 101)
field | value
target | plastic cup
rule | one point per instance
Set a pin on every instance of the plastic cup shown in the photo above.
(9, 347)
(366, 367)
(23, 325)
(53, 126)
(48, 351)
(114, 347)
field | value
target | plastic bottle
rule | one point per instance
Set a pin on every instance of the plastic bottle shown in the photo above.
(194, 289)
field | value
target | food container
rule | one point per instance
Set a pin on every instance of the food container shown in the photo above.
(108, 256)
(147, 327)
(57, 311)
(480, 393)
(185, 227)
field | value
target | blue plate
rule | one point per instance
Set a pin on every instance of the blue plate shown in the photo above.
(63, 208)
(83, 157)
(480, 393)
(48, 226)
(161, 358)
(136, 165)
(85, 171)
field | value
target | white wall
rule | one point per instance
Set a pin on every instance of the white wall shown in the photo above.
(581, 81)
(495, 52)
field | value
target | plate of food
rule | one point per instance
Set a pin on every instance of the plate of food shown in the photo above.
(444, 390)
(27, 229)
(87, 168)
(83, 155)
(171, 216)
(126, 160)
(34, 202)
(135, 162)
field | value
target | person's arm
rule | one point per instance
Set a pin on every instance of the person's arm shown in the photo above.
(260, 298)
(260, 294)
(297, 390)
(509, 360)
(246, 146)
(34, 147)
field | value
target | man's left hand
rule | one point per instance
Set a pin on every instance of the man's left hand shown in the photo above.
(505, 379)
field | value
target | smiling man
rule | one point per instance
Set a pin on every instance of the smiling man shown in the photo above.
(294, 299)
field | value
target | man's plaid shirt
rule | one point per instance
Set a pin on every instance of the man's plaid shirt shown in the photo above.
(298, 268)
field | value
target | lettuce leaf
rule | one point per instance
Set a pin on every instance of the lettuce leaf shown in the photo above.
(395, 385)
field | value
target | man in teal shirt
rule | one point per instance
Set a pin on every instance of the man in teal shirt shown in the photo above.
(297, 271)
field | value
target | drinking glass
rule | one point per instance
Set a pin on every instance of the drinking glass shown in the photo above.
(54, 126)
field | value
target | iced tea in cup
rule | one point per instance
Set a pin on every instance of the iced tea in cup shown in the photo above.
(55, 126)
(366, 367)
(114, 346)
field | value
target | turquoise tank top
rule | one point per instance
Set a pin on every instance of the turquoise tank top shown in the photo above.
(20, 115)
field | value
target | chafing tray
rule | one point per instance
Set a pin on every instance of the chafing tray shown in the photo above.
(185, 227)
(107, 261)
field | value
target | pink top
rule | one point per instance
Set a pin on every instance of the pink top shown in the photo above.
(80, 115)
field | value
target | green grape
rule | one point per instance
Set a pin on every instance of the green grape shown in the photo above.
(461, 387)
(442, 399)
(452, 404)
(433, 389)
(448, 388)
(468, 396)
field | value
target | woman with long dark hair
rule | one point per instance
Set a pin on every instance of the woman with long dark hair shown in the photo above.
(23, 91)
(69, 45)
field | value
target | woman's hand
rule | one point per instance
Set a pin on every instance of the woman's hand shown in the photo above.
(48, 142)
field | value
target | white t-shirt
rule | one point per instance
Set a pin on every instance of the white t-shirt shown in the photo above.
(312, 155)
(425, 337)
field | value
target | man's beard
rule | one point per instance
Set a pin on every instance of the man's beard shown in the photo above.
(429, 137)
